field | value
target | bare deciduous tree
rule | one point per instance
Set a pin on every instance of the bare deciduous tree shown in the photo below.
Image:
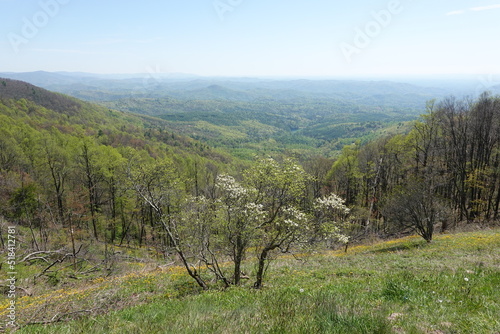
(416, 207)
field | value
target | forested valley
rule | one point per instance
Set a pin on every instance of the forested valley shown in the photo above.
(226, 184)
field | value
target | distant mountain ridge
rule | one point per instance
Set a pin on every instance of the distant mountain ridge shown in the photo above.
(397, 92)
(241, 114)
(81, 85)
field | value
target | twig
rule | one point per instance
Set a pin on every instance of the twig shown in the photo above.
(91, 270)
(57, 317)
(54, 263)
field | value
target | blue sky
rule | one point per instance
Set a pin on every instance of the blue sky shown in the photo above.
(252, 37)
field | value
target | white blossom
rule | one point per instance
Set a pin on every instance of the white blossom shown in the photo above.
(254, 211)
(343, 238)
(294, 217)
(331, 202)
(229, 185)
(295, 214)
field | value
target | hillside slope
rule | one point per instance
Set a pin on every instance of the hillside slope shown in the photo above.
(66, 167)
(398, 286)
(21, 101)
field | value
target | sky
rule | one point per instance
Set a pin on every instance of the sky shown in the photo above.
(255, 38)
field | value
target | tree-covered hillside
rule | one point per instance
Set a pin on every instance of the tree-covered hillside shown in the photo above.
(244, 115)
(304, 127)
(445, 171)
(65, 163)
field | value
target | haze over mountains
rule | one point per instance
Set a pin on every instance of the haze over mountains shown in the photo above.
(407, 91)
(244, 114)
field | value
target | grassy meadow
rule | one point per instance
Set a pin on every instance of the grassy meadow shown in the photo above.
(451, 285)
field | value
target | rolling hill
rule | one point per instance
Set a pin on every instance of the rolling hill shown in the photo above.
(249, 115)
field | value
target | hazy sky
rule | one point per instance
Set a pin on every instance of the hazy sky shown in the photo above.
(251, 37)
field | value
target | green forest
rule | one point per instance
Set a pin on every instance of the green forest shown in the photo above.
(304, 127)
(223, 188)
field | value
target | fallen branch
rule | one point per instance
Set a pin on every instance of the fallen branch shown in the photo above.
(26, 291)
(38, 258)
(40, 252)
(57, 317)
(91, 270)
(53, 264)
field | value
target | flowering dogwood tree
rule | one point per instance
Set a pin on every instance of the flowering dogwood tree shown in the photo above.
(266, 211)
(280, 188)
(330, 211)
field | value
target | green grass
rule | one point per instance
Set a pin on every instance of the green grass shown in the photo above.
(400, 286)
